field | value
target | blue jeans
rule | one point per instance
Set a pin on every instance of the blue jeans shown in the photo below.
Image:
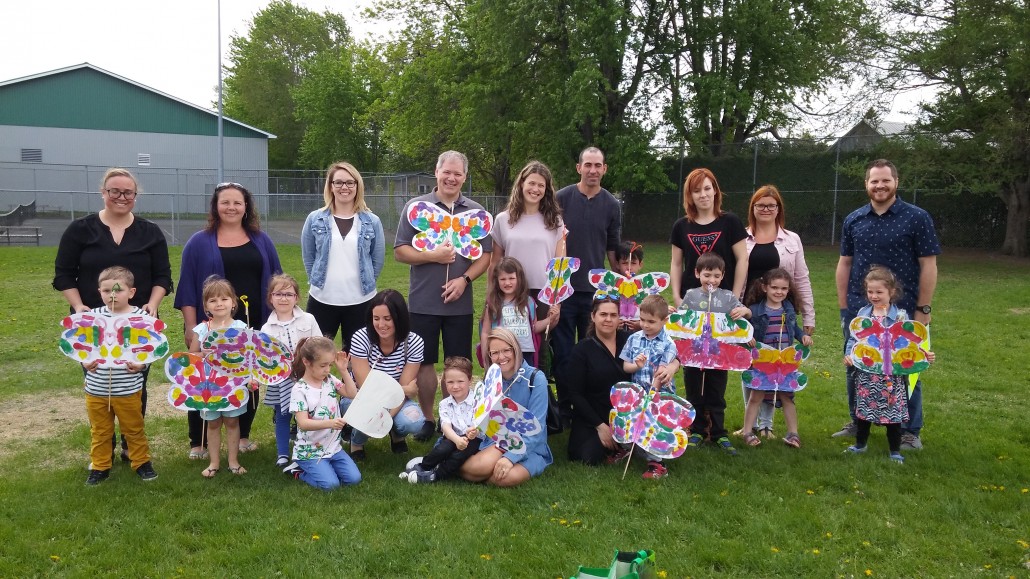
(409, 420)
(281, 417)
(329, 473)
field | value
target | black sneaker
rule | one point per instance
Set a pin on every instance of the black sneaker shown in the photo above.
(146, 471)
(282, 461)
(97, 476)
(427, 431)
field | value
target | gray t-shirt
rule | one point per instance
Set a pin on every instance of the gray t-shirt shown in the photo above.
(427, 279)
(594, 226)
(722, 301)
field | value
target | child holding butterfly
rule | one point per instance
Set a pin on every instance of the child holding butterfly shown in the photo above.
(219, 299)
(509, 306)
(775, 323)
(630, 257)
(289, 324)
(879, 398)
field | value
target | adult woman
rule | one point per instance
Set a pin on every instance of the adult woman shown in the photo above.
(706, 227)
(769, 246)
(596, 367)
(343, 248)
(233, 247)
(114, 236)
(387, 343)
(527, 386)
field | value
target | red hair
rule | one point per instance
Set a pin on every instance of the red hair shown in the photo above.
(695, 180)
(763, 192)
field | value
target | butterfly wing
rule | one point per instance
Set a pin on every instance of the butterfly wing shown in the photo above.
(270, 359)
(627, 404)
(666, 422)
(430, 221)
(650, 284)
(82, 337)
(907, 355)
(467, 227)
(726, 329)
(141, 339)
(773, 369)
(197, 386)
(685, 324)
(559, 272)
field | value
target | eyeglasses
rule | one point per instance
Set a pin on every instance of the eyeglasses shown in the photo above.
(284, 295)
(120, 193)
(349, 184)
(229, 185)
(767, 208)
(504, 352)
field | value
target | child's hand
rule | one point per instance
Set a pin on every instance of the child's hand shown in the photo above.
(133, 368)
(806, 340)
(341, 361)
(740, 312)
(640, 360)
(337, 423)
(752, 342)
(632, 325)
(461, 444)
(92, 366)
(472, 434)
(848, 362)
(930, 356)
(662, 376)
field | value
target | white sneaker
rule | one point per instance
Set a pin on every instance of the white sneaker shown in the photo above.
(412, 464)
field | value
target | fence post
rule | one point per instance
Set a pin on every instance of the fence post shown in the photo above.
(836, 179)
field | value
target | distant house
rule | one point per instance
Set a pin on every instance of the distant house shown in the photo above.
(867, 133)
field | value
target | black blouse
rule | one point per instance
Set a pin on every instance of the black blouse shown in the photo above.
(591, 372)
(243, 268)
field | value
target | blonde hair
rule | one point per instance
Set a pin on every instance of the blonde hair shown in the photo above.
(655, 306)
(359, 190)
(119, 172)
(278, 280)
(216, 287)
(508, 338)
(307, 350)
(118, 273)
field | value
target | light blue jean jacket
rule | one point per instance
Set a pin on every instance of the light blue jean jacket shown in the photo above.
(316, 237)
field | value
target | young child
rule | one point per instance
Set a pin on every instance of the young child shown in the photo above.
(509, 306)
(460, 438)
(651, 356)
(706, 389)
(116, 392)
(630, 258)
(289, 324)
(775, 323)
(219, 299)
(879, 398)
(315, 402)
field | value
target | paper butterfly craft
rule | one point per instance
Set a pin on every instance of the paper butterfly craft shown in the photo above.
(559, 272)
(370, 410)
(248, 354)
(437, 227)
(500, 418)
(656, 422)
(197, 386)
(709, 340)
(888, 350)
(630, 291)
(776, 370)
(113, 340)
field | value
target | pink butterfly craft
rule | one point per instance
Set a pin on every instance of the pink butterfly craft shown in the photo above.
(559, 274)
(249, 354)
(656, 422)
(500, 418)
(888, 350)
(113, 340)
(437, 227)
(197, 386)
(709, 340)
(776, 370)
(630, 291)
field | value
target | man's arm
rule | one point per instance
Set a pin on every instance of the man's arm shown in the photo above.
(407, 254)
(927, 286)
(841, 277)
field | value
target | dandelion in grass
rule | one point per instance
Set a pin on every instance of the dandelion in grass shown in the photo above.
(774, 549)
(315, 537)
(866, 544)
(1023, 543)
(1024, 491)
(55, 558)
(662, 574)
(810, 492)
(486, 556)
(724, 493)
(868, 572)
(829, 535)
(988, 566)
(815, 551)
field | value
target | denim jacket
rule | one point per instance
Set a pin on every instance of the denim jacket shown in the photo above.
(894, 314)
(760, 321)
(316, 237)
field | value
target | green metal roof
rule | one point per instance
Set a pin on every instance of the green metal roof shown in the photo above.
(88, 97)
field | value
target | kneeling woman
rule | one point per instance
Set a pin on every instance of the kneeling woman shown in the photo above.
(527, 386)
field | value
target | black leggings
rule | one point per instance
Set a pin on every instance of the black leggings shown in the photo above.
(862, 434)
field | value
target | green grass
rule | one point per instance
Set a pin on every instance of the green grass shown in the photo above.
(958, 508)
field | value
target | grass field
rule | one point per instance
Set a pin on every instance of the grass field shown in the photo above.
(958, 508)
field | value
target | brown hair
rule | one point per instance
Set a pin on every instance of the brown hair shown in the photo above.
(596, 306)
(359, 191)
(655, 306)
(694, 181)
(215, 287)
(880, 163)
(495, 298)
(757, 293)
(119, 273)
(307, 350)
(251, 220)
(763, 192)
(710, 261)
(886, 276)
(279, 280)
(459, 363)
(549, 208)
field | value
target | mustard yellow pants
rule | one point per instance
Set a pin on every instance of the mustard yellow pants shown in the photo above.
(128, 411)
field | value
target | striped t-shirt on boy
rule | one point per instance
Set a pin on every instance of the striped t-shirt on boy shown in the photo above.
(114, 381)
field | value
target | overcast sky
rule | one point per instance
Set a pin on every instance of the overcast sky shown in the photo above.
(170, 46)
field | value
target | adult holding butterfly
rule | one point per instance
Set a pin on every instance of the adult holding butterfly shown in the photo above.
(440, 278)
(527, 386)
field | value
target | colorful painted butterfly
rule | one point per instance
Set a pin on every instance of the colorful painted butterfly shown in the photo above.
(709, 340)
(773, 369)
(656, 422)
(630, 291)
(197, 386)
(500, 418)
(559, 273)
(113, 340)
(249, 354)
(888, 350)
(437, 227)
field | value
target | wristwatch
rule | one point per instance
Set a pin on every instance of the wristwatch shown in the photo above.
(468, 281)
(925, 309)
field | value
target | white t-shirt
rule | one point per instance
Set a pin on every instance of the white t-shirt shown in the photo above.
(321, 403)
(518, 323)
(530, 242)
(342, 285)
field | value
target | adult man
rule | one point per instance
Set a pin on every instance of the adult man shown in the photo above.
(440, 294)
(900, 236)
(593, 218)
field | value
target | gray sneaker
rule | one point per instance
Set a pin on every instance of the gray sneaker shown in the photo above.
(848, 430)
(910, 441)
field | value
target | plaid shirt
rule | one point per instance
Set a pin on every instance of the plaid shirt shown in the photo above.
(660, 351)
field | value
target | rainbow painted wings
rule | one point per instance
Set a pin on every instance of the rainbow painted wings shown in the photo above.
(709, 340)
(197, 386)
(249, 354)
(559, 272)
(500, 418)
(437, 227)
(776, 370)
(888, 350)
(630, 291)
(113, 340)
(657, 423)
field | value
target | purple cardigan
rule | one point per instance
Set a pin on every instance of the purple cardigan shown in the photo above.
(201, 258)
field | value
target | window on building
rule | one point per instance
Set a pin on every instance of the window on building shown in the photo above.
(143, 159)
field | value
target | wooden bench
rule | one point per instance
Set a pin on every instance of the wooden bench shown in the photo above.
(11, 234)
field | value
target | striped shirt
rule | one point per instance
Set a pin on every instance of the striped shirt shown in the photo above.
(776, 335)
(411, 352)
(114, 381)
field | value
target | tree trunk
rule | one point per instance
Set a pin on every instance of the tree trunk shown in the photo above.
(1017, 200)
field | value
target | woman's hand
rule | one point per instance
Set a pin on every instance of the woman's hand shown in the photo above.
(501, 468)
(604, 432)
